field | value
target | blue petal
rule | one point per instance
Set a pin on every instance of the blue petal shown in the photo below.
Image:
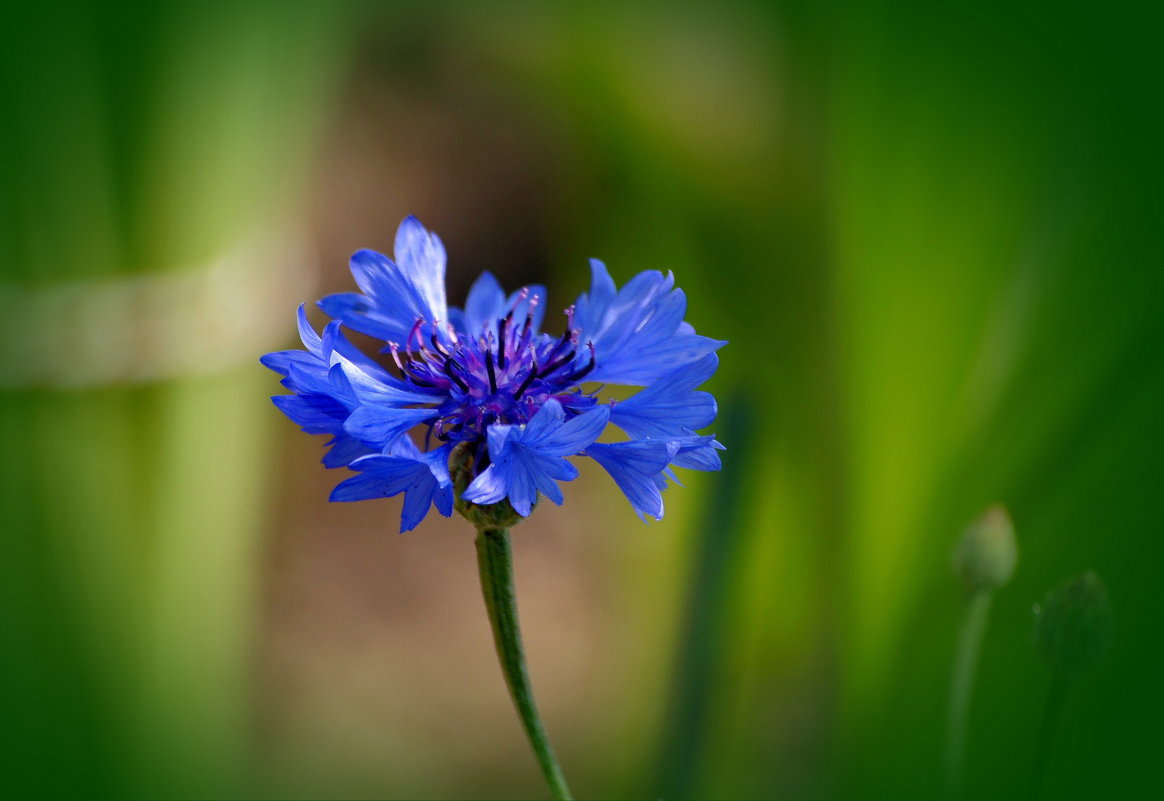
(643, 298)
(370, 381)
(423, 478)
(280, 361)
(344, 451)
(530, 458)
(574, 435)
(421, 257)
(334, 342)
(509, 477)
(456, 319)
(315, 414)
(497, 439)
(661, 479)
(379, 425)
(438, 465)
(403, 448)
(638, 332)
(307, 335)
(634, 467)
(484, 306)
(400, 291)
(377, 276)
(668, 408)
(311, 376)
(633, 302)
(590, 308)
(490, 486)
(417, 501)
(547, 483)
(546, 421)
(443, 500)
(437, 459)
(698, 453)
(363, 314)
(547, 471)
(380, 477)
(370, 390)
(644, 362)
(396, 294)
(523, 492)
(391, 288)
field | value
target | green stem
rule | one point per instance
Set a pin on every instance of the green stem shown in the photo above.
(495, 561)
(962, 687)
(1052, 712)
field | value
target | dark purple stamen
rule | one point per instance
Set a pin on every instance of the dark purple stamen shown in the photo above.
(578, 374)
(449, 363)
(489, 369)
(562, 342)
(501, 340)
(529, 379)
(569, 357)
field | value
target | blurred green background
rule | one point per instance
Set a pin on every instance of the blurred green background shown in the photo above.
(931, 233)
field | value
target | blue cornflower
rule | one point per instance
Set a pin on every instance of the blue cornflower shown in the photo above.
(501, 401)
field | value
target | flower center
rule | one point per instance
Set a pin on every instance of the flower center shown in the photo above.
(502, 375)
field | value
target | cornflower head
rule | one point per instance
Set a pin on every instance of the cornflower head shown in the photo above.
(498, 404)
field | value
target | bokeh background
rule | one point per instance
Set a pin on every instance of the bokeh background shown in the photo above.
(931, 233)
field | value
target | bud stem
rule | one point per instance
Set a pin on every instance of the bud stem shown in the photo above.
(495, 561)
(962, 686)
(1052, 712)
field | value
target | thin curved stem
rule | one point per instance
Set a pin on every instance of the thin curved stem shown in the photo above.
(495, 561)
(1052, 712)
(962, 687)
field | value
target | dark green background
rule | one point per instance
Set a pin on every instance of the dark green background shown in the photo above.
(931, 233)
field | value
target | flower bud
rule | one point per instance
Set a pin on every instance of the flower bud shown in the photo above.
(985, 557)
(1074, 626)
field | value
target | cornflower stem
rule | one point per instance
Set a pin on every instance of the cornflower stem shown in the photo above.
(1052, 712)
(962, 686)
(495, 562)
